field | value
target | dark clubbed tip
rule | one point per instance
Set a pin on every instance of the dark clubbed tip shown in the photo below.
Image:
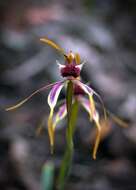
(70, 70)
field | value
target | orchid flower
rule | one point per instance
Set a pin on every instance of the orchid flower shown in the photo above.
(83, 93)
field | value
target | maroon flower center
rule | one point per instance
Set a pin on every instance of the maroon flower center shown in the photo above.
(78, 90)
(70, 69)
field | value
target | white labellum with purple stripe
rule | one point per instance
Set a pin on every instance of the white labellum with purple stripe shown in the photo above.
(54, 94)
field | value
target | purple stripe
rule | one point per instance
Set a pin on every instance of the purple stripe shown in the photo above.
(53, 91)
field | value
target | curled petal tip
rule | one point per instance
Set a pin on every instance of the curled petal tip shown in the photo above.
(7, 109)
(16, 106)
(42, 39)
(30, 96)
(98, 135)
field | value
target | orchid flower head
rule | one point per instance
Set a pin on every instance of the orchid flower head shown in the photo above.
(72, 66)
(83, 93)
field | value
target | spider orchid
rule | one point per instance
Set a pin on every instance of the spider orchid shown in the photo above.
(83, 93)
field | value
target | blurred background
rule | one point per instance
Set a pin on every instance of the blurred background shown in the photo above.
(103, 33)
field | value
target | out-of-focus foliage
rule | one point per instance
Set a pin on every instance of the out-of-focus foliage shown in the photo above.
(47, 178)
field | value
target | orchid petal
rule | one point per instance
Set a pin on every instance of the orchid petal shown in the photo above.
(52, 100)
(92, 106)
(70, 57)
(90, 93)
(60, 65)
(100, 99)
(88, 90)
(54, 94)
(77, 57)
(86, 104)
(97, 141)
(30, 96)
(62, 112)
(117, 120)
(53, 122)
(52, 44)
(79, 66)
(81, 85)
(50, 130)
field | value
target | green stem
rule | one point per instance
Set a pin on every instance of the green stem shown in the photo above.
(72, 110)
(69, 95)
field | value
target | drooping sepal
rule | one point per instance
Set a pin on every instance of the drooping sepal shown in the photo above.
(50, 130)
(52, 101)
(62, 112)
(86, 104)
(30, 96)
(98, 135)
(90, 92)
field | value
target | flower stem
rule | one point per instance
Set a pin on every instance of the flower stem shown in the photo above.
(69, 133)
(72, 110)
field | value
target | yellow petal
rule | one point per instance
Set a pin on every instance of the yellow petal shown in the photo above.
(52, 44)
(92, 107)
(70, 57)
(77, 57)
(98, 135)
(51, 130)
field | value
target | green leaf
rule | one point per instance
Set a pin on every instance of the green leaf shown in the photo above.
(47, 176)
(65, 168)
